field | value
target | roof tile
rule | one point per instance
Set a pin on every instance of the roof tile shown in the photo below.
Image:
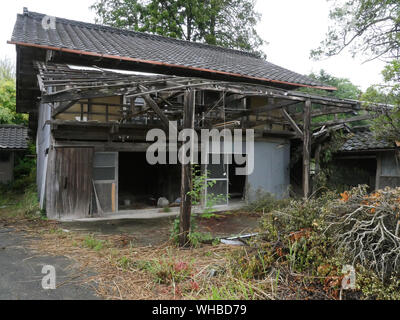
(13, 137)
(363, 140)
(99, 39)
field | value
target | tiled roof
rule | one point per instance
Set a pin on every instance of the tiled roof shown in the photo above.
(108, 42)
(363, 140)
(13, 137)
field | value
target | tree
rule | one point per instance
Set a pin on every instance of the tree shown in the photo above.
(8, 113)
(345, 88)
(364, 26)
(7, 69)
(370, 27)
(227, 23)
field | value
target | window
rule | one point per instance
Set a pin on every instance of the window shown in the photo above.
(104, 166)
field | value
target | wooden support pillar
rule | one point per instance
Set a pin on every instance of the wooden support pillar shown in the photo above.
(186, 179)
(317, 159)
(306, 147)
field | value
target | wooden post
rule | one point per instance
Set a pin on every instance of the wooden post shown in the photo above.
(186, 180)
(317, 159)
(306, 147)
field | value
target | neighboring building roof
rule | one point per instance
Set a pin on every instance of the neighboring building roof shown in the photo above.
(364, 140)
(113, 43)
(13, 137)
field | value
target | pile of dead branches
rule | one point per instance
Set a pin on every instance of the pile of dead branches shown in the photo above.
(367, 227)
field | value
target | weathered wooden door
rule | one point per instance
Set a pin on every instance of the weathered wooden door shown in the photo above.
(70, 183)
(105, 177)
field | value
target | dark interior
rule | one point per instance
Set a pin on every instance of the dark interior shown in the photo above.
(237, 183)
(143, 184)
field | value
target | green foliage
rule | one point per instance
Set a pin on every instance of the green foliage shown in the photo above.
(175, 230)
(167, 269)
(124, 262)
(265, 202)
(92, 243)
(8, 114)
(231, 290)
(195, 237)
(328, 175)
(387, 124)
(364, 26)
(374, 289)
(345, 88)
(227, 23)
(290, 236)
(19, 205)
(199, 186)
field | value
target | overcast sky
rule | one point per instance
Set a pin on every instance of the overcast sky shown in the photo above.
(291, 27)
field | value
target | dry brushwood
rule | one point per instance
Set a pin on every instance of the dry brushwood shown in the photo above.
(366, 226)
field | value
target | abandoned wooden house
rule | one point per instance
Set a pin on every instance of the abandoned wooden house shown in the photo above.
(93, 92)
(364, 159)
(13, 140)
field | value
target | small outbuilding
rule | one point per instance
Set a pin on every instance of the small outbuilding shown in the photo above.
(365, 159)
(13, 139)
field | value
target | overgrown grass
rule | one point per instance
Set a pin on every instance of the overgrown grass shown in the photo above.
(92, 243)
(20, 205)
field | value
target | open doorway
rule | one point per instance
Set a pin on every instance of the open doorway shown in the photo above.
(228, 185)
(237, 183)
(141, 184)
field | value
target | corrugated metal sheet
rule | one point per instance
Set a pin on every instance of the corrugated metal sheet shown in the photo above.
(271, 169)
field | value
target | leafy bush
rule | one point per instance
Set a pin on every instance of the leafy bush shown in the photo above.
(373, 288)
(167, 270)
(265, 202)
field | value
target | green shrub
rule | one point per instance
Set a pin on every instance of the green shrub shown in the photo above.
(265, 202)
(167, 270)
(373, 288)
(92, 243)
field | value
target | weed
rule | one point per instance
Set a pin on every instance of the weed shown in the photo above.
(167, 270)
(92, 243)
(124, 262)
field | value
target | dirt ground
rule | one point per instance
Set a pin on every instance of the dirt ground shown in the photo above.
(124, 259)
(157, 231)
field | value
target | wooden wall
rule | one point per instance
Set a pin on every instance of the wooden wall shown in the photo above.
(69, 182)
(101, 109)
(6, 166)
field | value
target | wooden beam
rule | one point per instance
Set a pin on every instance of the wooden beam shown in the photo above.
(299, 115)
(269, 107)
(347, 120)
(152, 104)
(317, 158)
(293, 123)
(186, 179)
(62, 107)
(306, 148)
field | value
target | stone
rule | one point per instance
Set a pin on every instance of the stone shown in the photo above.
(162, 202)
